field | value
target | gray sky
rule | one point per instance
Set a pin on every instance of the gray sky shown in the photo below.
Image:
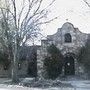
(76, 11)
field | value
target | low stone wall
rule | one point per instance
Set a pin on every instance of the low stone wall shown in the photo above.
(21, 72)
(4, 73)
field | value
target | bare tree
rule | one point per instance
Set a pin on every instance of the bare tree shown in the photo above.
(26, 24)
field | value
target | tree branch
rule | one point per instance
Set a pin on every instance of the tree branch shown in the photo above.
(46, 21)
(87, 3)
(7, 10)
(15, 15)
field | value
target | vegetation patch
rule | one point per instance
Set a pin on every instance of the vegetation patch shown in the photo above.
(84, 57)
(53, 62)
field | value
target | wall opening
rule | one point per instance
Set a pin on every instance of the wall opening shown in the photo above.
(68, 38)
(69, 65)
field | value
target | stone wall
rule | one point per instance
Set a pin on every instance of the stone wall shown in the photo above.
(58, 39)
(4, 73)
(21, 72)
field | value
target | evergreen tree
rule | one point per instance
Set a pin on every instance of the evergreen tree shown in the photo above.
(53, 62)
(84, 56)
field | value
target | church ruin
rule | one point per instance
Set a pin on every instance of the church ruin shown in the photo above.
(68, 40)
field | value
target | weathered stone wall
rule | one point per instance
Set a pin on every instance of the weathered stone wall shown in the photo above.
(58, 39)
(21, 72)
(4, 73)
(23, 69)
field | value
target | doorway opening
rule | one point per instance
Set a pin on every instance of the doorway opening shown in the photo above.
(69, 65)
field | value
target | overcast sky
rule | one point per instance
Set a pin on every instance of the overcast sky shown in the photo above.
(76, 11)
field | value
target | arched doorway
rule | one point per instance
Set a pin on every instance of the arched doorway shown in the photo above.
(69, 65)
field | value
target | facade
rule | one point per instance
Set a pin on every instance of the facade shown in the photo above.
(68, 40)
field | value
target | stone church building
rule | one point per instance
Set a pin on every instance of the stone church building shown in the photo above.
(68, 40)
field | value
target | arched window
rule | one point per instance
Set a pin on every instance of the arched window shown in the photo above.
(68, 38)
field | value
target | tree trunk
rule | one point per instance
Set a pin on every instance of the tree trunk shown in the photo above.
(15, 64)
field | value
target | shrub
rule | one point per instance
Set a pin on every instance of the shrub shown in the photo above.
(54, 62)
(84, 56)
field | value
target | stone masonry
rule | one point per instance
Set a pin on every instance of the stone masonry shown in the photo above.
(69, 40)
